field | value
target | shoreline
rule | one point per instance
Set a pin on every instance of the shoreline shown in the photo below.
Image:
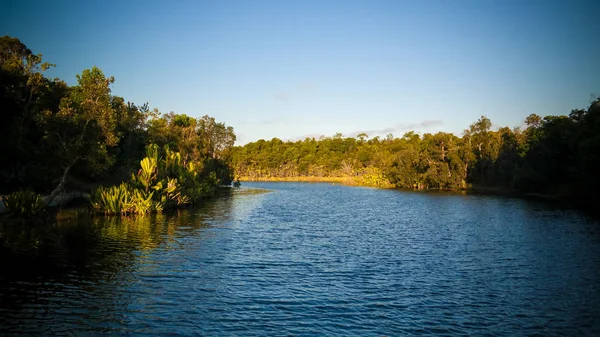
(473, 190)
(306, 179)
(64, 199)
(349, 181)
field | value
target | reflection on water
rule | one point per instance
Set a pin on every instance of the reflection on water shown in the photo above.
(81, 252)
(308, 259)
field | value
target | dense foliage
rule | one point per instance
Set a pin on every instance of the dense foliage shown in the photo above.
(554, 155)
(23, 203)
(55, 137)
(162, 182)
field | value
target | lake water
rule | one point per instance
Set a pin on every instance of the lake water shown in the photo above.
(310, 259)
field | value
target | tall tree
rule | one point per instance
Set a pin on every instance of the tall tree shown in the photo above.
(22, 90)
(84, 127)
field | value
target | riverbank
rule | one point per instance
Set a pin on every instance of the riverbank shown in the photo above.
(307, 179)
(350, 181)
(471, 189)
(367, 181)
(61, 200)
(71, 204)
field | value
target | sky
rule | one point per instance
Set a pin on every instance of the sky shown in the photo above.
(296, 69)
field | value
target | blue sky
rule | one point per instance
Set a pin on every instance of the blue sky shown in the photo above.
(291, 69)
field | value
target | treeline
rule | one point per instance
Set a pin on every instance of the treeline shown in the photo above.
(554, 155)
(55, 137)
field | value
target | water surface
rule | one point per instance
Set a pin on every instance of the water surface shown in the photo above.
(310, 259)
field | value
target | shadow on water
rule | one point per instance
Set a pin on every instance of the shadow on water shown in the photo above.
(79, 250)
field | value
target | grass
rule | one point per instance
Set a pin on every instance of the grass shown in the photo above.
(350, 181)
(308, 179)
(251, 191)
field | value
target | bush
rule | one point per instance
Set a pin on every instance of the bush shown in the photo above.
(160, 183)
(111, 200)
(24, 203)
(141, 203)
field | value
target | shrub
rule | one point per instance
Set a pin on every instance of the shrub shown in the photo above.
(141, 202)
(24, 203)
(160, 183)
(111, 200)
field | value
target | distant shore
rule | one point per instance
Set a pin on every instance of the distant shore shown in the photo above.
(350, 181)
(303, 179)
(473, 189)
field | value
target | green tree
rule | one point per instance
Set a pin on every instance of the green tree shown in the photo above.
(24, 92)
(84, 127)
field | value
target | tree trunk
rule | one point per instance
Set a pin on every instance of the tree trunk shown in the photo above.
(61, 185)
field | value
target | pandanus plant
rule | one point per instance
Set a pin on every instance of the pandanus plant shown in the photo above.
(112, 200)
(142, 202)
(23, 203)
(171, 164)
(160, 183)
(171, 194)
(147, 173)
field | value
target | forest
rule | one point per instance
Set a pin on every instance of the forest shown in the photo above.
(556, 157)
(56, 138)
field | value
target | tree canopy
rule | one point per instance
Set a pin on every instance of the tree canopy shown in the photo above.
(554, 155)
(53, 135)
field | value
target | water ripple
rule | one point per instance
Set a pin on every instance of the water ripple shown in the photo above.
(310, 259)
